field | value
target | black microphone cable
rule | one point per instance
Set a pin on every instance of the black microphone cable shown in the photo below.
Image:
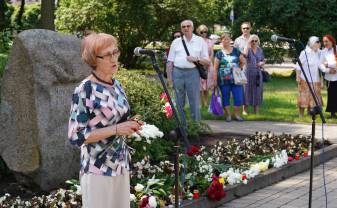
(323, 140)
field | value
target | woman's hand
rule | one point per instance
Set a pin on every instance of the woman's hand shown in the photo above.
(128, 127)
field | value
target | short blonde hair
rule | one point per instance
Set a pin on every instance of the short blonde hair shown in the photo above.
(202, 28)
(253, 37)
(93, 44)
(226, 34)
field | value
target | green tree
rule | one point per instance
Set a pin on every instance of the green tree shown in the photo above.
(134, 22)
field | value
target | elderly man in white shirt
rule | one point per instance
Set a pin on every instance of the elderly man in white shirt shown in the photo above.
(328, 63)
(185, 76)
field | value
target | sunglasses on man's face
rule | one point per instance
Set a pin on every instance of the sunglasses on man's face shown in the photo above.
(186, 26)
(246, 28)
(177, 36)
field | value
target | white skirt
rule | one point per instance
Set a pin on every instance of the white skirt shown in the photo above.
(105, 191)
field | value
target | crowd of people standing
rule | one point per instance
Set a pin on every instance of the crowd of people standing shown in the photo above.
(243, 53)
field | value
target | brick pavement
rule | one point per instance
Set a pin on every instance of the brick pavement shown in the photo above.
(293, 192)
(250, 127)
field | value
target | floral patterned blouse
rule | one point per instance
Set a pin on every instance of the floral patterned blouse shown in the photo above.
(95, 106)
(226, 63)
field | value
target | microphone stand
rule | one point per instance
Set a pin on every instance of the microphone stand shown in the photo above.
(317, 110)
(178, 132)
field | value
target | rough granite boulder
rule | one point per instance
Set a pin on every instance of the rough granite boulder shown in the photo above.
(43, 70)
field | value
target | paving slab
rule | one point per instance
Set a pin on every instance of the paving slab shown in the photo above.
(279, 196)
(250, 127)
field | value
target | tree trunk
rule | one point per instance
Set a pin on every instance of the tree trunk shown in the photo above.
(20, 14)
(47, 14)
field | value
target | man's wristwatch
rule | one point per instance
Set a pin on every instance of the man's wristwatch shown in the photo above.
(198, 59)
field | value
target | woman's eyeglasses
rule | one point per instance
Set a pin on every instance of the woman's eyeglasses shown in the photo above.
(177, 36)
(254, 41)
(114, 54)
(203, 32)
(246, 28)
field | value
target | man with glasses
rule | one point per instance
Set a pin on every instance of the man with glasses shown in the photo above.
(185, 76)
(240, 43)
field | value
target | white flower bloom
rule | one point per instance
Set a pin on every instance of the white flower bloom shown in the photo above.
(148, 131)
(280, 159)
(78, 189)
(152, 202)
(132, 197)
(139, 187)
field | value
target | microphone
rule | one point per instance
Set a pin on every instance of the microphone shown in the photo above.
(140, 51)
(276, 38)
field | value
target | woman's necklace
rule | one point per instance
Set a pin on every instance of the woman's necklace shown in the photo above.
(99, 79)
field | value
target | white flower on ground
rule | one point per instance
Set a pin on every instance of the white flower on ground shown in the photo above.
(152, 202)
(78, 189)
(139, 187)
(132, 197)
(280, 159)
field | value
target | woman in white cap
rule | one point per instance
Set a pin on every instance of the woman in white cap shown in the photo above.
(311, 69)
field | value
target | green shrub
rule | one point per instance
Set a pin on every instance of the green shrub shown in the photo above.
(6, 40)
(3, 61)
(143, 95)
(30, 18)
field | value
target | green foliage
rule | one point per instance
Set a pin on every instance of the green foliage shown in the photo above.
(135, 22)
(7, 11)
(296, 19)
(143, 95)
(3, 61)
(6, 41)
(30, 18)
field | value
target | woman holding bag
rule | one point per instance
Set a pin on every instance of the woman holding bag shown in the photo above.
(255, 62)
(225, 61)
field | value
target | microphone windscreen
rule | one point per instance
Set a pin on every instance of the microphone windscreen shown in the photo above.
(136, 51)
(273, 38)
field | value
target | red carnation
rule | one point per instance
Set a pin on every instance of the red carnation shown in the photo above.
(192, 150)
(163, 97)
(144, 203)
(168, 110)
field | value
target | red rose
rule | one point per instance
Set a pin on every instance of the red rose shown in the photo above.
(216, 191)
(144, 202)
(192, 150)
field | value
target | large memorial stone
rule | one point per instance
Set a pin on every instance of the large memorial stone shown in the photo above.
(43, 70)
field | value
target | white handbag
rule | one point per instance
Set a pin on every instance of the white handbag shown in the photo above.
(239, 76)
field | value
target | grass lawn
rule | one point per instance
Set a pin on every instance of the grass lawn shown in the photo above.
(279, 103)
